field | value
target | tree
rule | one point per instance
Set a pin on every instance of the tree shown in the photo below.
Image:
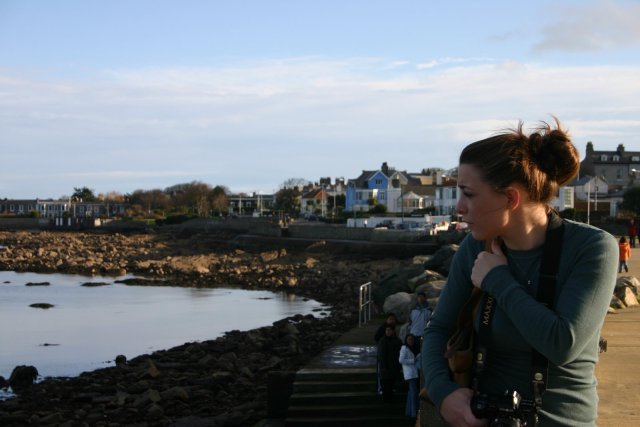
(149, 201)
(83, 194)
(378, 209)
(219, 199)
(297, 183)
(631, 200)
(288, 200)
(111, 197)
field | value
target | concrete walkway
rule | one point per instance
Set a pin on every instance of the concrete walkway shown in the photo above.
(617, 371)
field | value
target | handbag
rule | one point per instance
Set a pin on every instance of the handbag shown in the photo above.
(459, 353)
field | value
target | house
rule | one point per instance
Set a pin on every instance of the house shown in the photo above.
(619, 168)
(244, 204)
(590, 186)
(17, 206)
(398, 191)
(314, 200)
(50, 208)
(320, 197)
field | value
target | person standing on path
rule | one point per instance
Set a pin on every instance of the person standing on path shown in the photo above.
(633, 232)
(419, 317)
(625, 254)
(388, 362)
(408, 356)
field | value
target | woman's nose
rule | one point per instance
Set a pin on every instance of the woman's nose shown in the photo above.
(460, 207)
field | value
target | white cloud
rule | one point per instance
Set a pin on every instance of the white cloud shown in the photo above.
(256, 124)
(605, 24)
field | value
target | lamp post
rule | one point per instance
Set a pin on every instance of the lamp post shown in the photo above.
(588, 202)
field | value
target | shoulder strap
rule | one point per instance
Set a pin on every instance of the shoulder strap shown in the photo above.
(546, 292)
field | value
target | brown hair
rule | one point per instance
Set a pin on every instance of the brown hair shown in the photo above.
(541, 161)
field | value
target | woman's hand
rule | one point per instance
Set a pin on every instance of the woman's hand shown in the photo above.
(456, 409)
(485, 262)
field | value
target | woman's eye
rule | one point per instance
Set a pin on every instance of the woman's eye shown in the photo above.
(468, 195)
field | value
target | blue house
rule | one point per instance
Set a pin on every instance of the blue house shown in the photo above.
(399, 191)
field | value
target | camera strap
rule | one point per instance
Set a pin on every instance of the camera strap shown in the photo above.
(546, 291)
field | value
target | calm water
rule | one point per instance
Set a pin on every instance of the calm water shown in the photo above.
(89, 326)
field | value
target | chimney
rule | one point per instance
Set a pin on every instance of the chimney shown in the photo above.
(385, 169)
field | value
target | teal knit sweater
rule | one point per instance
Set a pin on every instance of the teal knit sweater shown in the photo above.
(567, 335)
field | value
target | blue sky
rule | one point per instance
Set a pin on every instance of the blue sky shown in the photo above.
(122, 95)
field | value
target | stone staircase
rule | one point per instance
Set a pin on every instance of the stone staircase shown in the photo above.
(346, 397)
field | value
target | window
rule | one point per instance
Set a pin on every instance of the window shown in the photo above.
(382, 196)
(616, 158)
(378, 182)
(604, 158)
(635, 158)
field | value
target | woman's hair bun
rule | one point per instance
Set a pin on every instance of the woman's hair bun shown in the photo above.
(554, 154)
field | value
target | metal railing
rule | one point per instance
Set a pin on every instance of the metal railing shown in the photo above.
(365, 302)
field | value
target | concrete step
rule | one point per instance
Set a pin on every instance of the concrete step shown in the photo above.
(330, 398)
(319, 374)
(371, 409)
(326, 386)
(358, 421)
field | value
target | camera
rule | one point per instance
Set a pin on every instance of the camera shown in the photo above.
(507, 410)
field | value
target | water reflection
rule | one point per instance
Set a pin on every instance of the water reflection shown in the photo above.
(91, 325)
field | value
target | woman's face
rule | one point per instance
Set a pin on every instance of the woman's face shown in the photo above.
(410, 340)
(482, 207)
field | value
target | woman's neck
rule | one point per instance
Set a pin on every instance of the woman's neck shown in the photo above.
(527, 227)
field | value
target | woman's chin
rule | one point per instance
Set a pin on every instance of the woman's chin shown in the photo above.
(478, 235)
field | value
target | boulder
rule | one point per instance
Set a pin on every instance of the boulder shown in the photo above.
(626, 290)
(395, 281)
(400, 304)
(630, 282)
(432, 289)
(22, 377)
(440, 261)
(43, 305)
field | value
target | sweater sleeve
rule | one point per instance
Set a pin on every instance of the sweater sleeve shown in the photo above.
(585, 283)
(406, 356)
(444, 319)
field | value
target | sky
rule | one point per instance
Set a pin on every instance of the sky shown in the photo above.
(123, 95)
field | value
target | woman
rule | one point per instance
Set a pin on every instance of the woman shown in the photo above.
(408, 354)
(506, 183)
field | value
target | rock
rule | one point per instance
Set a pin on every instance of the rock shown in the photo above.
(441, 259)
(400, 304)
(629, 299)
(269, 256)
(155, 412)
(175, 393)
(432, 289)
(42, 305)
(148, 397)
(95, 284)
(22, 377)
(121, 360)
(37, 284)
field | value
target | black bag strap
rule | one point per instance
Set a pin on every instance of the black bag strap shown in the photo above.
(546, 292)
(549, 265)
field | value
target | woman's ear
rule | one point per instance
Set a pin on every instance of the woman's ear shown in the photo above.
(513, 197)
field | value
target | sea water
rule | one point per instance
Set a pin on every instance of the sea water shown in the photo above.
(87, 327)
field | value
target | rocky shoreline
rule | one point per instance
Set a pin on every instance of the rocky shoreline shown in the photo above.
(220, 382)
